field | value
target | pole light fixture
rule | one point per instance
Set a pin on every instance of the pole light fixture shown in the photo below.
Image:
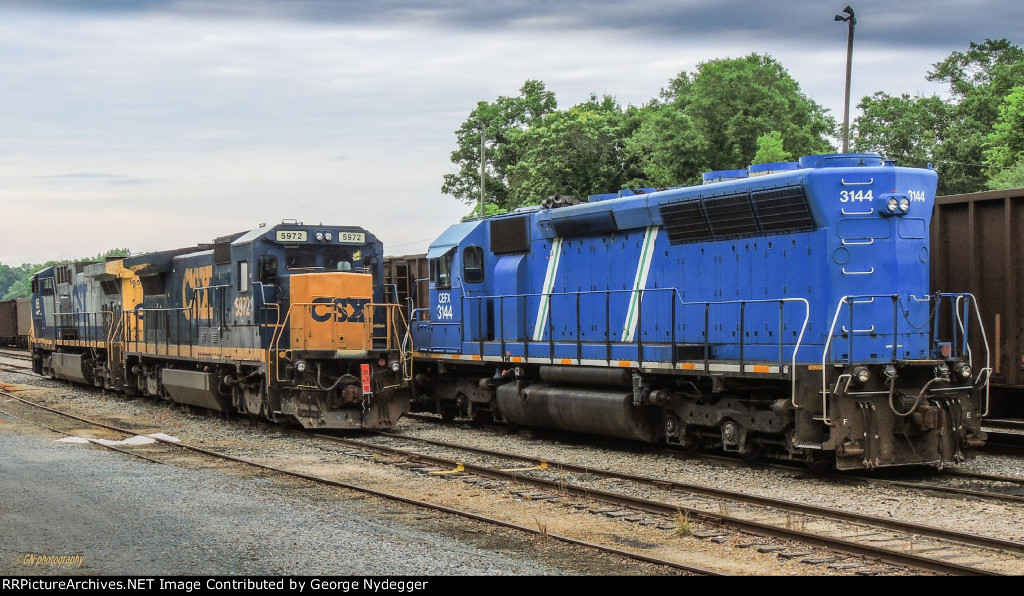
(851, 20)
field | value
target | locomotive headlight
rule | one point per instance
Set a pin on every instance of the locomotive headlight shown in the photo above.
(861, 374)
(962, 370)
(892, 204)
(904, 204)
(395, 366)
(320, 236)
(328, 236)
(300, 365)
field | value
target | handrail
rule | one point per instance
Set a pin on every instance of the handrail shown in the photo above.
(678, 301)
(960, 326)
(984, 341)
(394, 319)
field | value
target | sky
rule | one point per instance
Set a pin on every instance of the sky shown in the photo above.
(159, 124)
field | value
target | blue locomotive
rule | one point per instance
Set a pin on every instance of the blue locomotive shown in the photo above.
(782, 311)
(287, 323)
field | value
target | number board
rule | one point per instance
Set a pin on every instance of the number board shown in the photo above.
(351, 237)
(291, 236)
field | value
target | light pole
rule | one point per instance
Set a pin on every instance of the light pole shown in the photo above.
(483, 201)
(847, 17)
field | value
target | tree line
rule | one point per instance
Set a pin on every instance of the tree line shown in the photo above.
(15, 282)
(731, 113)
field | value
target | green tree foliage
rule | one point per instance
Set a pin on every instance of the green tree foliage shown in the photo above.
(22, 288)
(905, 129)
(711, 119)
(492, 209)
(576, 152)
(732, 102)
(1006, 141)
(11, 278)
(502, 120)
(769, 149)
(979, 80)
(1011, 177)
(666, 147)
(16, 282)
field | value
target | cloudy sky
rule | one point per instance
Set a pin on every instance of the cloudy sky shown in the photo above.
(156, 124)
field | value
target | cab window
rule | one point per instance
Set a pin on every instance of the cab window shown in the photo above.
(300, 257)
(266, 266)
(441, 270)
(473, 264)
(243, 276)
(337, 259)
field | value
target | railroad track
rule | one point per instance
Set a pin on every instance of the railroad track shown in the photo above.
(991, 487)
(174, 445)
(807, 524)
(14, 360)
(719, 509)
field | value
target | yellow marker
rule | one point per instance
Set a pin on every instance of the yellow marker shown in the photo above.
(458, 469)
(543, 466)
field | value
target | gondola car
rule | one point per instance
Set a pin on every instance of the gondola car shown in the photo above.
(782, 311)
(287, 323)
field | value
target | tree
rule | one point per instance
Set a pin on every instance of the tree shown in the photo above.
(576, 152)
(769, 149)
(733, 102)
(1011, 177)
(905, 129)
(979, 79)
(492, 209)
(666, 148)
(16, 282)
(502, 121)
(1006, 140)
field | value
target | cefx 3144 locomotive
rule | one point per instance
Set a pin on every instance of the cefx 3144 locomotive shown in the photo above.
(782, 311)
(287, 323)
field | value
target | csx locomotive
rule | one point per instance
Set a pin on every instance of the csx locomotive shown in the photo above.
(781, 311)
(287, 323)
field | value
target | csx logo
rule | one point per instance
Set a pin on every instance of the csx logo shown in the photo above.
(344, 310)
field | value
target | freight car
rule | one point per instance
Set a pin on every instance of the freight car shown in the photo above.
(782, 311)
(977, 246)
(286, 323)
(14, 322)
(408, 275)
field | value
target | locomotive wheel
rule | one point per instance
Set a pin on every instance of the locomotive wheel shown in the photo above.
(449, 412)
(753, 452)
(819, 464)
(481, 417)
(691, 443)
(255, 405)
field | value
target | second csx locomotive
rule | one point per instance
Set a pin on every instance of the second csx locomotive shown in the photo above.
(783, 311)
(287, 323)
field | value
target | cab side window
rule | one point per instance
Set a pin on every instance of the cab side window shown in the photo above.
(473, 264)
(266, 267)
(243, 276)
(441, 270)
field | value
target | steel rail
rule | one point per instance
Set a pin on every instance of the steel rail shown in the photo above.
(395, 497)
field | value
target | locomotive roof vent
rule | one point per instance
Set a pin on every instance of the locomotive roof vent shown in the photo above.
(556, 201)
